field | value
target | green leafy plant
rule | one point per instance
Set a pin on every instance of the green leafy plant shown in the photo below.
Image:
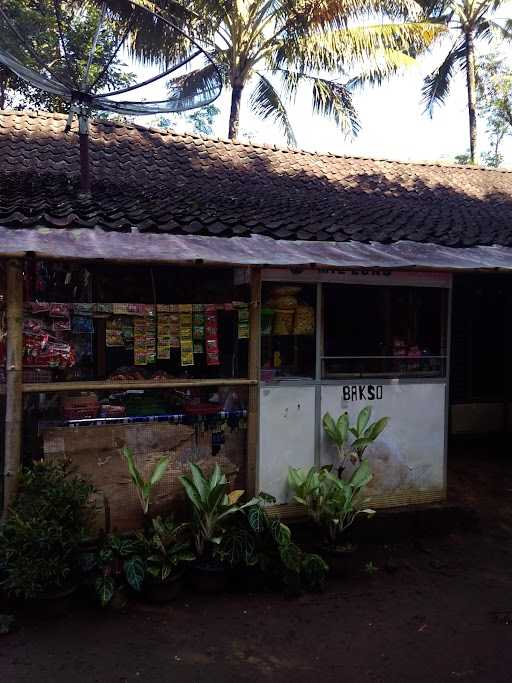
(55, 491)
(333, 503)
(165, 548)
(40, 538)
(371, 569)
(144, 487)
(212, 504)
(255, 539)
(364, 433)
(39, 556)
(338, 432)
(116, 563)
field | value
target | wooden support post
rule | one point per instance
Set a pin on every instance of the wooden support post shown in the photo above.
(14, 383)
(254, 374)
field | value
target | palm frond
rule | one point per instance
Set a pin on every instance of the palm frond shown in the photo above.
(151, 40)
(437, 84)
(301, 18)
(334, 100)
(330, 98)
(194, 85)
(384, 66)
(266, 103)
(436, 8)
(492, 31)
(344, 48)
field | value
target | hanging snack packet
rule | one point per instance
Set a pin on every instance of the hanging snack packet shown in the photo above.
(186, 344)
(114, 332)
(37, 307)
(174, 330)
(212, 336)
(104, 308)
(139, 341)
(83, 309)
(150, 340)
(164, 336)
(59, 310)
(61, 325)
(243, 322)
(32, 325)
(127, 332)
(198, 328)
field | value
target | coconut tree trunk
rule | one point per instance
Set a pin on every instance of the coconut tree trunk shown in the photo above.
(471, 87)
(234, 114)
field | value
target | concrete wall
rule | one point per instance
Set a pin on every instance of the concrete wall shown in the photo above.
(408, 460)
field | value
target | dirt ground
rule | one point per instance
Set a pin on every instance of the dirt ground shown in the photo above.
(438, 609)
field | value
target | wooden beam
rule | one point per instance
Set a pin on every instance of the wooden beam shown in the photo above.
(106, 385)
(14, 381)
(254, 375)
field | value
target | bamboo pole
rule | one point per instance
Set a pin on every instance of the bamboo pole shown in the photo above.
(14, 372)
(254, 375)
(106, 385)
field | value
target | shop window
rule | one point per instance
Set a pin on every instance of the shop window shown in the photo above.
(288, 331)
(388, 331)
(149, 325)
(133, 323)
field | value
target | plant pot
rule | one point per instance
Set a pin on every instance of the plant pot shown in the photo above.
(162, 592)
(339, 558)
(209, 578)
(245, 579)
(53, 604)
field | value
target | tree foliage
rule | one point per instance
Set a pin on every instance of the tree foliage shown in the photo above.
(495, 104)
(278, 47)
(199, 121)
(69, 32)
(494, 84)
(470, 23)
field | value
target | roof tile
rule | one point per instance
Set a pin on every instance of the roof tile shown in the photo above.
(161, 181)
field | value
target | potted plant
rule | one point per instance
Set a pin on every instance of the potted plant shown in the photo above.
(212, 504)
(116, 564)
(165, 550)
(364, 433)
(262, 548)
(144, 487)
(40, 538)
(333, 504)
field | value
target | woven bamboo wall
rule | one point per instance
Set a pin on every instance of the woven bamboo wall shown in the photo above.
(97, 453)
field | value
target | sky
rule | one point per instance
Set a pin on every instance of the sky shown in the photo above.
(393, 123)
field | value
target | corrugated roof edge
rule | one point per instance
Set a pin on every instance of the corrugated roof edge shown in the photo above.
(253, 145)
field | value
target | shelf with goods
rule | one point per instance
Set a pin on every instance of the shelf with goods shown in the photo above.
(288, 332)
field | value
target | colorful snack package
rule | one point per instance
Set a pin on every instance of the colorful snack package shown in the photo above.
(243, 322)
(61, 325)
(139, 341)
(212, 336)
(59, 310)
(36, 307)
(83, 309)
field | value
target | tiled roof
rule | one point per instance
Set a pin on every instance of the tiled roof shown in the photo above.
(188, 184)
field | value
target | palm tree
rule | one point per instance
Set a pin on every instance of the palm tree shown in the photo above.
(275, 47)
(469, 22)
